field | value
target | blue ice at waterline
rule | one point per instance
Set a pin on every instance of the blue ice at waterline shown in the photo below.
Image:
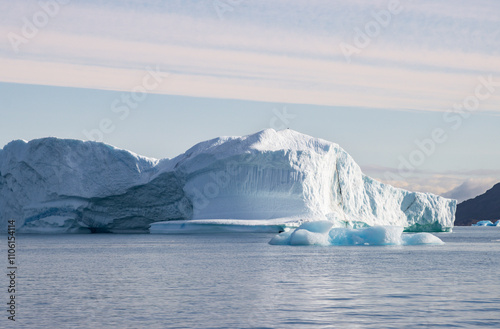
(487, 223)
(322, 233)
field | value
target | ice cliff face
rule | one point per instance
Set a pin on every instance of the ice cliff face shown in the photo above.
(54, 185)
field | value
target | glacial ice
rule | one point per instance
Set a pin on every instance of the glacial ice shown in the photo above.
(322, 233)
(487, 223)
(72, 186)
(218, 226)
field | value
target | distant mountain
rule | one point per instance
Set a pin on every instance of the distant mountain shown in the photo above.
(483, 207)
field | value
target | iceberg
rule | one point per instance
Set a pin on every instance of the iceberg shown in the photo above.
(322, 233)
(276, 179)
(486, 223)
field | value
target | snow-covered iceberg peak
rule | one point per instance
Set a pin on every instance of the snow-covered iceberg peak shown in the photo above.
(278, 176)
(286, 174)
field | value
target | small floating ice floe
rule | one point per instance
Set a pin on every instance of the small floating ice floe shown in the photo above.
(322, 233)
(486, 223)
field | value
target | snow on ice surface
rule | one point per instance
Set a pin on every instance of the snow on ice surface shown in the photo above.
(73, 186)
(322, 233)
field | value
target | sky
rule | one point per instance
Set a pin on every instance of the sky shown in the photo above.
(411, 89)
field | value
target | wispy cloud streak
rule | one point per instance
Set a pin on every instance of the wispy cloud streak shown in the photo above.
(247, 57)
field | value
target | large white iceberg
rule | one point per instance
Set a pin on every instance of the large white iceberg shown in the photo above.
(281, 178)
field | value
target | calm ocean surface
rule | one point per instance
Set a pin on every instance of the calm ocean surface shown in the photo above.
(240, 281)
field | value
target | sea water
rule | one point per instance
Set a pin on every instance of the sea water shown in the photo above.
(241, 281)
